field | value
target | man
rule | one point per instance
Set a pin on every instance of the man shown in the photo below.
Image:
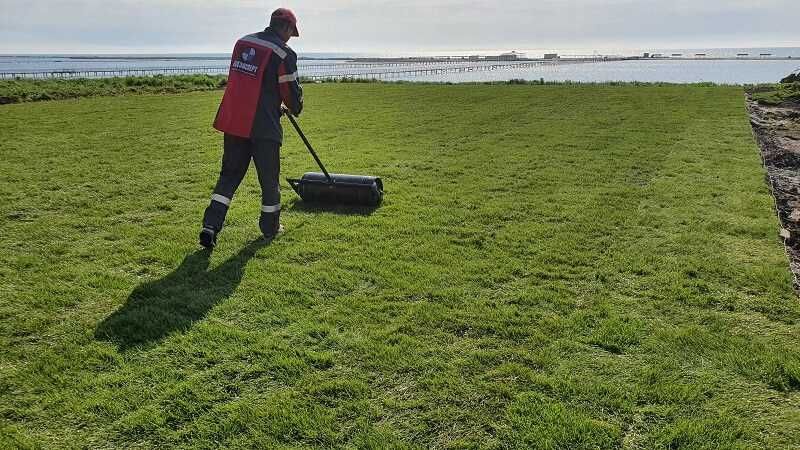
(262, 78)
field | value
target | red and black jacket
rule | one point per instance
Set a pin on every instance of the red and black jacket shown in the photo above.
(263, 74)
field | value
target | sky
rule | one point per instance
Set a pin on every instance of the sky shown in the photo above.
(397, 27)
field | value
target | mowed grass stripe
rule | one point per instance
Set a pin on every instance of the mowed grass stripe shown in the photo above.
(554, 267)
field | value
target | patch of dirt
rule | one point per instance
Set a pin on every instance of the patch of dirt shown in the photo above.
(777, 130)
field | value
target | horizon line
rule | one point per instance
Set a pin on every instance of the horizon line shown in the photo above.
(347, 52)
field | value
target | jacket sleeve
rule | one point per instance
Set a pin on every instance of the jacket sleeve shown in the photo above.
(289, 84)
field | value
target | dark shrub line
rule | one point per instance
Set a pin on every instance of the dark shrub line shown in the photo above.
(22, 90)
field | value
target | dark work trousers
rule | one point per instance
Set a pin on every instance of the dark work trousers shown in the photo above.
(235, 161)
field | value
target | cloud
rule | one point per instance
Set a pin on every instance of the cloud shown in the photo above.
(391, 26)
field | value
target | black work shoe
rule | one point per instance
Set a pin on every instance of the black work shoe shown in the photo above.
(271, 237)
(208, 238)
(270, 224)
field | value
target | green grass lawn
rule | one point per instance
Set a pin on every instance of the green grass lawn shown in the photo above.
(553, 267)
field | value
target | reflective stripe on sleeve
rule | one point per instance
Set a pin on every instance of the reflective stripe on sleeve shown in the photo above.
(287, 78)
(253, 39)
(221, 199)
(271, 209)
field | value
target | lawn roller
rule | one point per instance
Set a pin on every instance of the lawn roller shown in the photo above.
(331, 188)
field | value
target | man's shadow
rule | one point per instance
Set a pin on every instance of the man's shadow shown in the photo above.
(158, 308)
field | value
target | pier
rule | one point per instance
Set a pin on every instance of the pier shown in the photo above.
(387, 68)
(315, 70)
(111, 73)
(461, 67)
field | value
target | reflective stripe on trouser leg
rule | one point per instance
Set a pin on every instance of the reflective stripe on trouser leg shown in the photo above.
(221, 199)
(271, 209)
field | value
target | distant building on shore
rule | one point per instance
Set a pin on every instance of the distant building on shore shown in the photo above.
(511, 56)
(551, 56)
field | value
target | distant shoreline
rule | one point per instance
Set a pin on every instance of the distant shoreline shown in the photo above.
(711, 52)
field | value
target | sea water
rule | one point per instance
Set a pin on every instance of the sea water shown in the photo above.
(673, 70)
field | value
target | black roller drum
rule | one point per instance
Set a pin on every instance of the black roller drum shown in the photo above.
(325, 187)
(315, 187)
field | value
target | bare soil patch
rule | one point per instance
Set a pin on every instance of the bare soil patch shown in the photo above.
(777, 129)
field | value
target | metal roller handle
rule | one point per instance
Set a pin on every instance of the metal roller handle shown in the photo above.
(308, 144)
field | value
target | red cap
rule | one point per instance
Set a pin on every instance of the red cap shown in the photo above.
(288, 16)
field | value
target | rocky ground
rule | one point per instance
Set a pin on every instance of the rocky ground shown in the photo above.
(777, 129)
